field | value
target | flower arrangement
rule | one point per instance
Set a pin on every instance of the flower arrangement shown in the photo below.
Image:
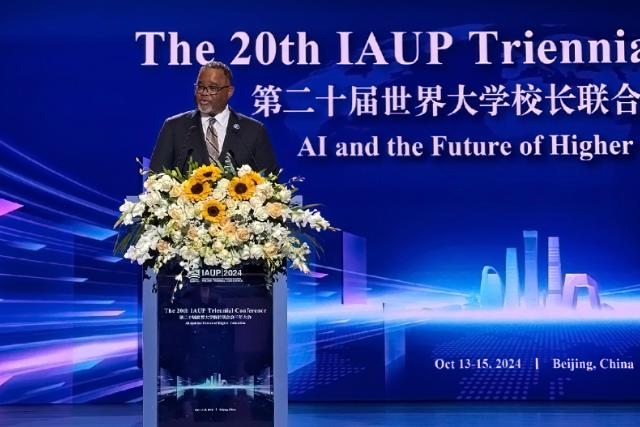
(218, 215)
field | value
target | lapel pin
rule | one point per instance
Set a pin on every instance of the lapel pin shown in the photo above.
(236, 126)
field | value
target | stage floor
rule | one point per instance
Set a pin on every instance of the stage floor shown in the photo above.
(588, 414)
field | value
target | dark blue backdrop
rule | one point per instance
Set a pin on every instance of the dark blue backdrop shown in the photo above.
(78, 108)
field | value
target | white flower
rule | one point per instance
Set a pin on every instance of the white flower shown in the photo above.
(300, 265)
(261, 213)
(138, 210)
(177, 213)
(257, 200)
(147, 242)
(317, 222)
(211, 260)
(135, 255)
(311, 218)
(275, 210)
(305, 249)
(285, 195)
(270, 250)
(127, 206)
(265, 189)
(165, 183)
(257, 227)
(214, 230)
(160, 212)
(203, 235)
(245, 253)
(159, 182)
(231, 239)
(150, 182)
(130, 211)
(151, 198)
(232, 205)
(223, 184)
(218, 194)
(245, 169)
(244, 208)
(176, 190)
(278, 232)
(127, 219)
(299, 217)
(268, 228)
(192, 211)
(188, 253)
(256, 251)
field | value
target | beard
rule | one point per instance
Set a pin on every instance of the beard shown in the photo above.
(208, 109)
(204, 109)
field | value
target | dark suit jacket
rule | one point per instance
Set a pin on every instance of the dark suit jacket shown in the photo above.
(181, 136)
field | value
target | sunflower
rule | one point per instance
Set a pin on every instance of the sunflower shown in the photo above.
(196, 190)
(207, 173)
(242, 188)
(213, 211)
(256, 177)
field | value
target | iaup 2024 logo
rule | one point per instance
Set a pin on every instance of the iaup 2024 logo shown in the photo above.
(194, 275)
(217, 275)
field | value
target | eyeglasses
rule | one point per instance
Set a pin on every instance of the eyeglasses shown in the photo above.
(209, 90)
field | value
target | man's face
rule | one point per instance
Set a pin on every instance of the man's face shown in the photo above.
(206, 101)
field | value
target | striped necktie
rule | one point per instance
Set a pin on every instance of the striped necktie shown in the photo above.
(212, 141)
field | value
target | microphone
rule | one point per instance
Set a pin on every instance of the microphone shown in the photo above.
(190, 150)
(186, 158)
(231, 158)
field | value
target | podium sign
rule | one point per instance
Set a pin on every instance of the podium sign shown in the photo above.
(215, 340)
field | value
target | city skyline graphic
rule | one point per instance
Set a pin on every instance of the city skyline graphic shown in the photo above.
(531, 284)
(250, 385)
(561, 293)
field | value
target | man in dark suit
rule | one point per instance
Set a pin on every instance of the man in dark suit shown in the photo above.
(213, 130)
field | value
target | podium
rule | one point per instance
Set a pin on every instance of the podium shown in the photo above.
(214, 352)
